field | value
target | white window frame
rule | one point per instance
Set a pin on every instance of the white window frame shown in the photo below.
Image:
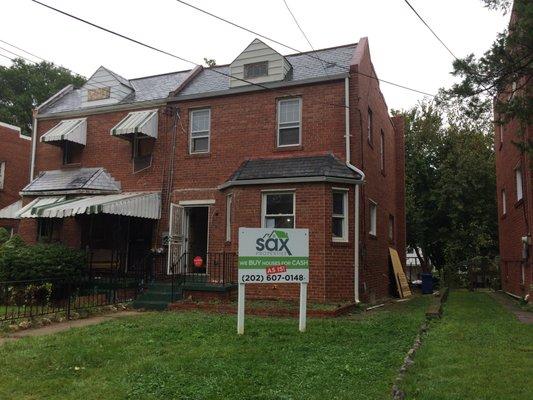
(382, 151)
(370, 126)
(207, 135)
(265, 194)
(229, 216)
(519, 183)
(504, 202)
(2, 174)
(290, 124)
(344, 216)
(373, 228)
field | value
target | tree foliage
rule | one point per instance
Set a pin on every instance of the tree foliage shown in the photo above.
(503, 72)
(450, 186)
(23, 86)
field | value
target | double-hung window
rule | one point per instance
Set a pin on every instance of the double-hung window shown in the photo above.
(200, 130)
(229, 206)
(289, 122)
(2, 173)
(370, 126)
(339, 216)
(278, 210)
(382, 151)
(373, 218)
(519, 183)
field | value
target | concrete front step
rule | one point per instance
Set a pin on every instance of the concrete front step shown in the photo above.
(150, 305)
(157, 297)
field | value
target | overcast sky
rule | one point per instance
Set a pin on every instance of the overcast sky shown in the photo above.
(402, 48)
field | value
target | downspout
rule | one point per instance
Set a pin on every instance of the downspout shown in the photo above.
(356, 187)
(33, 144)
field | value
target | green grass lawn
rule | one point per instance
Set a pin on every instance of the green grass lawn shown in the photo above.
(199, 356)
(477, 351)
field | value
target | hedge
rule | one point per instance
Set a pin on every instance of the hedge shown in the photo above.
(19, 261)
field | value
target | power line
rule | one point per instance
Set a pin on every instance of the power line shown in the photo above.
(18, 48)
(9, 58)
(165, 52)
(298, 51)
(303, 33)
(17, 55)
(431, 30)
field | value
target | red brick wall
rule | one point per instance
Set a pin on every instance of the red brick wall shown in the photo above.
(517, 221)
(244, 126)
(15, 151)
(385, 188)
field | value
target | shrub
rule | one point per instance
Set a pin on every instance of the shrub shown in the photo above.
(4, 236)
(23, 262)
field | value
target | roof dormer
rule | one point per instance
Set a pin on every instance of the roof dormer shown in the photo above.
(105, 87)
(258, 63)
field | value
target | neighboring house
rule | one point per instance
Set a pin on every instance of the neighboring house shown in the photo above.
(180, 161)
(15, 151)
(515, 207)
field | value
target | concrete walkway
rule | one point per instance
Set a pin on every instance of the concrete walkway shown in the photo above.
(511, 305)
(65, 326)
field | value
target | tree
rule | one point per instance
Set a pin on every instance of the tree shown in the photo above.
(503, 73)
(23, 86)
(210, 62)
(450, 187)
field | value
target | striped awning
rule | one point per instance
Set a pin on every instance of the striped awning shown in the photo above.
(136, 204)
(10, 212)
(72, 130)
(144, 122)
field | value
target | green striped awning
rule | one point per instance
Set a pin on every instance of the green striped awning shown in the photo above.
(72, 130)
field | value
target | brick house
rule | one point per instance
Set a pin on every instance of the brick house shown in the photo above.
(515, 207)
(15, 151)
(180, 161)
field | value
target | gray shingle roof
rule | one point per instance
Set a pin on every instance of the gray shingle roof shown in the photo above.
(304, 66)
(73, 180)
(312, 166)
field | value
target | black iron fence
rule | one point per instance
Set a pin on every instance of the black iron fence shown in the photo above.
(214, 269)
(40, 297)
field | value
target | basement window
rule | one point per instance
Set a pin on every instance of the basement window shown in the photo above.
(256, 70)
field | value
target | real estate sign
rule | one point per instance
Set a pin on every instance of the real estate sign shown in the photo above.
(273, 255)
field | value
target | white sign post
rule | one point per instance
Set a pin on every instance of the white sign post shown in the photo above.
(273, 255)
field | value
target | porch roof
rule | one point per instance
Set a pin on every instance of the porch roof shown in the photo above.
(133, 204)
(144, 122)
(71, 130)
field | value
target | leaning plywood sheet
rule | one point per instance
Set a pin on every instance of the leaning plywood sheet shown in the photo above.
(401, 280)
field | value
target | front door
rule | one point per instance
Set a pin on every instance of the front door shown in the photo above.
(197, 225)
(176, 239)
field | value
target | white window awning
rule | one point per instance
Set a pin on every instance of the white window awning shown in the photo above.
(10, 212)
(72, 130)
(136, 204)
(143, 122)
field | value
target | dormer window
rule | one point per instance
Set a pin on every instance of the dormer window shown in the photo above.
(256, 70)
(98, 93)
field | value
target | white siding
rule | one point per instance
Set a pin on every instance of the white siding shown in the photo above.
(102, 78)
(258, 51)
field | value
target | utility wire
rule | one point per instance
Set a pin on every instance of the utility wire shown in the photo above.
(296, 50)
(17, 55)
(304, 35)
(431, 30)
(18, 48)
(9, 58)
(166, 52)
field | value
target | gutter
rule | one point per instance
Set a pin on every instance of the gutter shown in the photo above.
(356, 187)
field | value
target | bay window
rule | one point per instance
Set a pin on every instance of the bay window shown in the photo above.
(278, 210)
